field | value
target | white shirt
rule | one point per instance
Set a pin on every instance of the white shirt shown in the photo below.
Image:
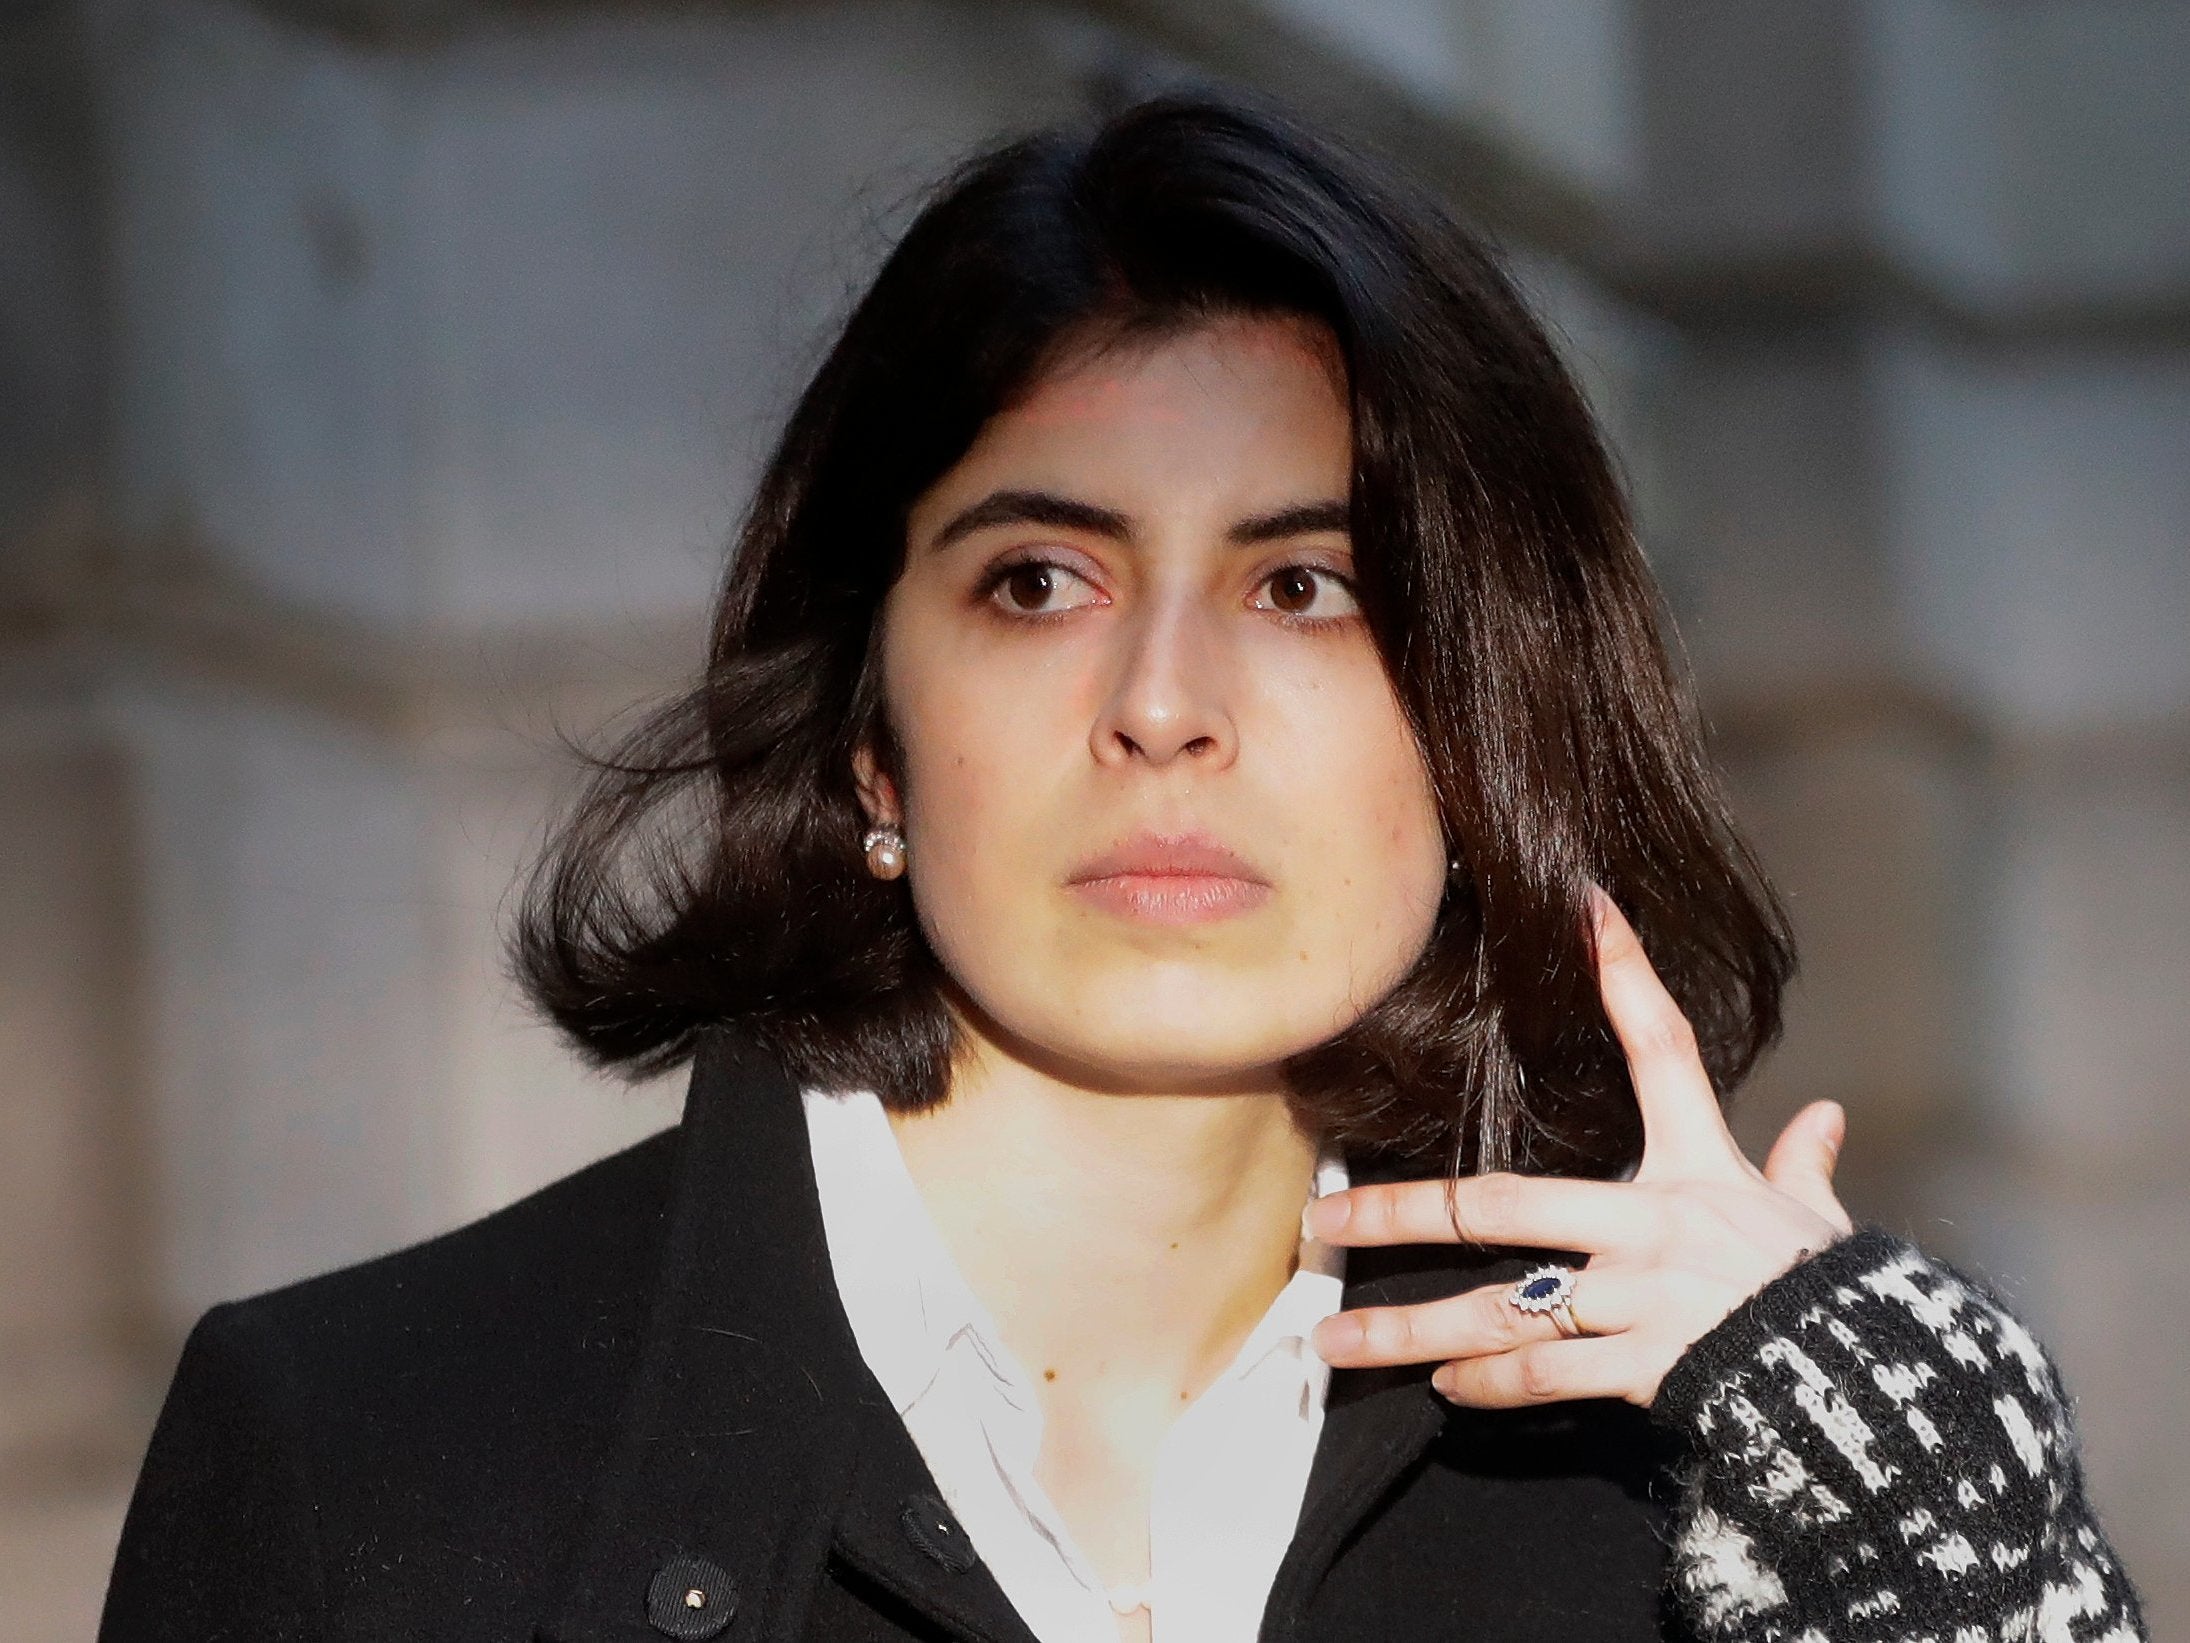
(1230, 1472)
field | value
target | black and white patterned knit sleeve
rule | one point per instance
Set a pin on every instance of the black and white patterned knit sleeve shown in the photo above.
(1878, 1452)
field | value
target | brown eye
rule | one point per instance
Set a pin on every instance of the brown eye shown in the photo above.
(1294, 589)
(1033, 587)
(1028, 587)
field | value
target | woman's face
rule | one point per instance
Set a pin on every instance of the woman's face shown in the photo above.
(1165, 821)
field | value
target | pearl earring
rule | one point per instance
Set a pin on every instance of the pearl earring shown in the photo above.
(885, 847)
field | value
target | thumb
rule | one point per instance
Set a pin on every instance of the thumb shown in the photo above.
(1801, 1160)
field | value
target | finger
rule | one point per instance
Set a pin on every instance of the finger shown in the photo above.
(1801, 1161)
(1479, 1323)
(1530, 1211)
(1618, 1366)
(1682, 1123)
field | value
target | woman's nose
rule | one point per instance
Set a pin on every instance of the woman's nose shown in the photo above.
(1171, 689)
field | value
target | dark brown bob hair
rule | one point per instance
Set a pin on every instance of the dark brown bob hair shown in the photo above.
(712, 870)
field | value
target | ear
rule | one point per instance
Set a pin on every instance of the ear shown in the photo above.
(877, 792)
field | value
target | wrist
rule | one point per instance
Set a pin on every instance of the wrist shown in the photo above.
(1774, 1310)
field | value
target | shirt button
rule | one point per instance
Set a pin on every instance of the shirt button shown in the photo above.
(690, 1598)
(928, 1524)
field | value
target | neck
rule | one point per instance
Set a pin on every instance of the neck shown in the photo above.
(1128, 1236)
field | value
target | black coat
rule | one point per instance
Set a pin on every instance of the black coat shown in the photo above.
(629, 1406)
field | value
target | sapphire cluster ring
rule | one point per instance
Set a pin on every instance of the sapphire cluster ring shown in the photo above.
(1548, 1290)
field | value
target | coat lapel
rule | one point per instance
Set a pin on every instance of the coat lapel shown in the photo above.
(1378, 1423)
(752, 1428)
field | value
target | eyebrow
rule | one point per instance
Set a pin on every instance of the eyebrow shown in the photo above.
(1014, 507)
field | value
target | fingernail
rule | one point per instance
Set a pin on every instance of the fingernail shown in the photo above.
(1442, 1381)
(1338, 1334)
(1325, 1218)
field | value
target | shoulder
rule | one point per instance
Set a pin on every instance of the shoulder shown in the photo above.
(547, 1269)
(401, 1438)
(530, 1314)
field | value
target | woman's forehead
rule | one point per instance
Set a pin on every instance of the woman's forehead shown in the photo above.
(1096, 368)
(1239, 419)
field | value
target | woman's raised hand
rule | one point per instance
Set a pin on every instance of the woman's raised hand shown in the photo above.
(1697, 1231)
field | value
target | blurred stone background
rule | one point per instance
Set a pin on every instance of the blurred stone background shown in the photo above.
(380, 379)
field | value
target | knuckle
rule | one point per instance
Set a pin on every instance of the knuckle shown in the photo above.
(1372, 1211)
(1394, 1330)
(1389, 1331)
(1537, 1375)
(1676, 1217)
(1704, 1223)
(1496, 1200)
(1665, 1035)
(1389, 1212)
(1501, 1326)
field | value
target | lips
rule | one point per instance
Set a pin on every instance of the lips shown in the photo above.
(1178, 855)
(1183, 878)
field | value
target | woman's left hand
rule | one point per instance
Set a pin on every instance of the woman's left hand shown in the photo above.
(1697, 1231)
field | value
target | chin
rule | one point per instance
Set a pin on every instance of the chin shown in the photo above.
(1177, 1040)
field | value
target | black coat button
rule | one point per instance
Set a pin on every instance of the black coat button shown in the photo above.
(928, 1524)
(690, 1598)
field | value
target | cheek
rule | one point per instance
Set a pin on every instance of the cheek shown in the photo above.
(1371, 827)
(978, 754)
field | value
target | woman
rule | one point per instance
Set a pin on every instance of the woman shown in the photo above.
(1185, 739)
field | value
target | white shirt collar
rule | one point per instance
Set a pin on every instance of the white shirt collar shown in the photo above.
(909, 1304)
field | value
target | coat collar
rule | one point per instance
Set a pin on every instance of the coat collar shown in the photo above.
(753, 1437)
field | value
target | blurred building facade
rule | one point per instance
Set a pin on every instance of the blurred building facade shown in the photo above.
(380, 380)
